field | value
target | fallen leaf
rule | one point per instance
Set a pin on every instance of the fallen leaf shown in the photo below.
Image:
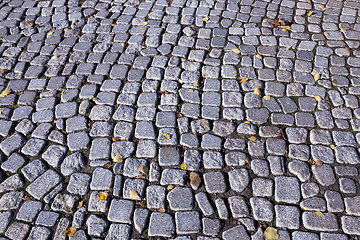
(257, 91)
(310, 13)
(5, 93)
(326, 34)
(323, 7)
(318, 163)
(26, 198)
(316, 75)
(196, 84)
(244, 79)
(113, 24)
(190, 91)
(162, 210)
(74, 21)
(267, 97)
(287, 28)
(1, 111)
(347, 49)
(118, 159)
(70, 231)
(102, 196)
(50, 33)
(144, 169)
(236, 50)
(342, 30)
(115, 139)
(317, 98)
(205, 19)
(183, 166)
(320, 214)
(259, 56)
(167, 136)
(332, 146)
(278, 22)
(271, 233)
(123, 44)
(107, 165)
(169, 187)
(80, 204)
(144, 23)
(247, 122)
(252, 138)
(195, 180)
(288, 48)
(134, 194)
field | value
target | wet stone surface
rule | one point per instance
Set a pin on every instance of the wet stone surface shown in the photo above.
(181, 119)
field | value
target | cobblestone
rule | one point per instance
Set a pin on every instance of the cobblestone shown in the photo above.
(140, 100)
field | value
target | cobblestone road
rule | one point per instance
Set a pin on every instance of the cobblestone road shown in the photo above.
(180, 119)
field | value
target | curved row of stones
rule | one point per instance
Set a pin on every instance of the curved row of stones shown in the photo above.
(159, 84)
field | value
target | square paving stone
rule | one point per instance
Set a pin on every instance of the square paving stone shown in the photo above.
(215, 182)
(161, 225)
(121, 211)
(287, 216)
(187, 222)
(79, 183)
(29, 210)
(47, 218)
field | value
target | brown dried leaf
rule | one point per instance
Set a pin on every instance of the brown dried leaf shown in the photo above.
(195, 180)
(144, 169)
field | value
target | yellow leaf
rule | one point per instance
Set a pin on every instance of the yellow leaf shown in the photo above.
(333, 146)
(167, 136)
(3, 70)
(80, 204)
(342, 30)
(113, 24)
(74, 20)
(123, 44)
(271, 233)
(50, 33)
(247, 122)
(102, 196)
(267, 97)
(1, 111)
(183, 166)
(236, 50)
(205, 19)
(5, 93)
(244, 79)
(252, 138)
(320, 214)
(288, 48)
(144, 169)
(310, 13)
(115, 139)
(257, 91)
(70, 231)
(134, 194)
(169, 187)
(259, 56)
(196, 84)
(118, 159)
(162, 210)
(144, 23)
(190, 91)
(287, 28)
(326, 34)
(55, 56)
(112, 63)
(317, 76)
(317, 98)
